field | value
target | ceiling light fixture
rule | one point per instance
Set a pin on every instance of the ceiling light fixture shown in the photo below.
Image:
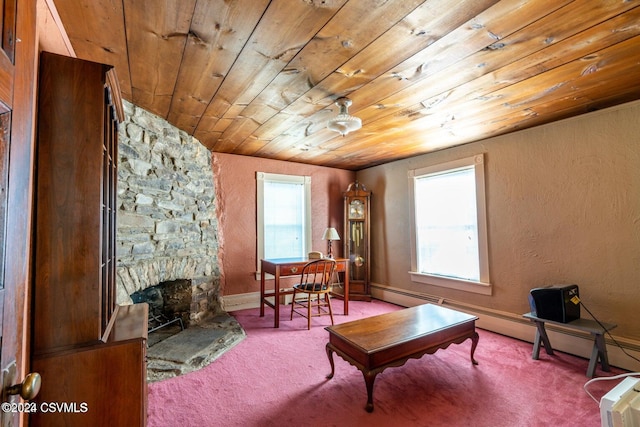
(343, 123)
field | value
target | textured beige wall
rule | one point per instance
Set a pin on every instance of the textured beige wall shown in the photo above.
(235, 184)
(563, 206)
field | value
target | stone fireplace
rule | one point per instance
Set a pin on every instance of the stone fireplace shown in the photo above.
(167, 225)
(167, 229)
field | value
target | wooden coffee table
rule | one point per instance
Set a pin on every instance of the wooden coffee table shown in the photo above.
(376, 343)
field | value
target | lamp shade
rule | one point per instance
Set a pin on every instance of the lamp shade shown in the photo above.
(330, 234)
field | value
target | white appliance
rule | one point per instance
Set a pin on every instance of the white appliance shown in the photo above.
(620, 407)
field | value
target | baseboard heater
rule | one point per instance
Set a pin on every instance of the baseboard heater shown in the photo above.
(620, 407)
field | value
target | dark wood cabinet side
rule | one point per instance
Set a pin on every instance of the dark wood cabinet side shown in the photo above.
(68, 204)
(87, 349)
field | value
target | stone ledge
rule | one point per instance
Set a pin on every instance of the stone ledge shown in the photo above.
(193, 348)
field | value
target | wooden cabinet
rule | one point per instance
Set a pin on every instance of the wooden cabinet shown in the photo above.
(87, 349)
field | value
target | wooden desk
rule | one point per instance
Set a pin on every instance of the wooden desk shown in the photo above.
(586, 325)
(376, 343)
(283, 267)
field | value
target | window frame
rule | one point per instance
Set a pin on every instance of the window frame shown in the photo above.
(261, 178)
(483, 286)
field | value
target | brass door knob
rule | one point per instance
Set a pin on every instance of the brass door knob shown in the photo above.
(29, 388)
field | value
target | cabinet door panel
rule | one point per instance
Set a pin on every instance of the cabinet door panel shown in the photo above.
(68, 240)
(106, 386)
(8, 19)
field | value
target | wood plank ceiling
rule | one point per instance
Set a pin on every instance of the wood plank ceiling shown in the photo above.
(260, 77)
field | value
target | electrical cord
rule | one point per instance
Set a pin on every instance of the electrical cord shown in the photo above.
(615, 377)
(608, 333)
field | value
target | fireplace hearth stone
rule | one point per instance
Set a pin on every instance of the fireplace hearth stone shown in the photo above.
(193, 348)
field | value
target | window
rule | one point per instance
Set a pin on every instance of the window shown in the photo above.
(449, 233)
(284, 216)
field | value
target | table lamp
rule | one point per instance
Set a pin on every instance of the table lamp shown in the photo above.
(330, 234)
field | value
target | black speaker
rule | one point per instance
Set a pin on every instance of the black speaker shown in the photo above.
(559, 303)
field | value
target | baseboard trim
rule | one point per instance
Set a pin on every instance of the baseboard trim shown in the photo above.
(509, 324)
(241, 301)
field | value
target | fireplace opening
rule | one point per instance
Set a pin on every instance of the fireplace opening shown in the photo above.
(170, 308)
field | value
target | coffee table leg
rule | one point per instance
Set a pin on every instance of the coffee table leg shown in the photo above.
(474, 344)
(369, 378)
(330, 356)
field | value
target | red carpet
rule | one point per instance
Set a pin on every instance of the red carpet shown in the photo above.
(276, 377)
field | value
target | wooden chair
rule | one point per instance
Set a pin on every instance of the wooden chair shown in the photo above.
(315, 281)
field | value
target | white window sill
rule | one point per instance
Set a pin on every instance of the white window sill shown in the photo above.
(452, 283)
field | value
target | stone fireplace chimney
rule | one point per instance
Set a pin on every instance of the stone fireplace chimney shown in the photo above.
(167, 227)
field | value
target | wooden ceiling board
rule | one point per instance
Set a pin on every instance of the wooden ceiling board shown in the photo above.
(218, 33)
(393, 106)
(543, 45)
(522, 119)
(553, 56)
(407, 39)
(156, 36)
(509, 108)
(284, 30)
(514, 111)
(260, 77)
(97, 33)
(470, 37)
(559, 82)
(350, 30)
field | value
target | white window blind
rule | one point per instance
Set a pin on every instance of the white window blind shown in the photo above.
(284, 220)
(284, 216)
(449, 233)
(446, 222)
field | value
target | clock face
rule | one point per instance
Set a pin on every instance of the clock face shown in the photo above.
(356, 209)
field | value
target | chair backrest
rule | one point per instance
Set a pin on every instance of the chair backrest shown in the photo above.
(317, 274)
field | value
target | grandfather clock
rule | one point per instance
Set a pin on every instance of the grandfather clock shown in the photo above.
(356, 240)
